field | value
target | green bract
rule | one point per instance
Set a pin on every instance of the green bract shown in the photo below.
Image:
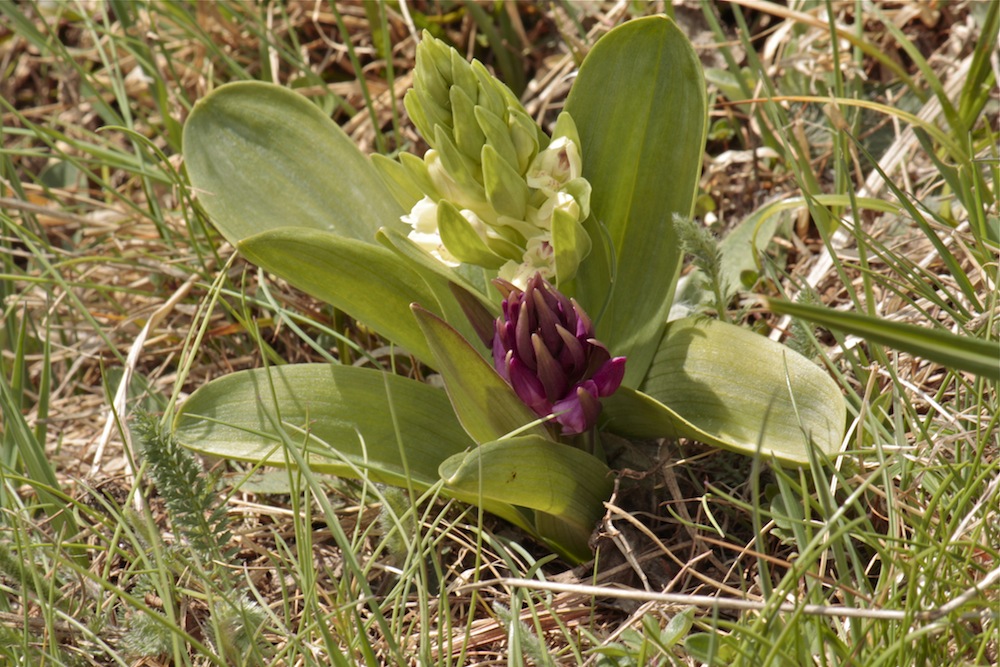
(408, 247)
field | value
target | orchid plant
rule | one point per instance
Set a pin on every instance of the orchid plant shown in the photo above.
(533, 272)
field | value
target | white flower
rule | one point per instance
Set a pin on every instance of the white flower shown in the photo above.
(423, 219)
(560, 200)
(539, 257)
(556, 166)
(432, 244)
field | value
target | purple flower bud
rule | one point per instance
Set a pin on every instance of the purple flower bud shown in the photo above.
(544, 346)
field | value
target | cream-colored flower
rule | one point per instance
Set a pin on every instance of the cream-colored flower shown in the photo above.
(539, 257)
(561, 201)
(423, 219)
(432, 243)
(556, 166)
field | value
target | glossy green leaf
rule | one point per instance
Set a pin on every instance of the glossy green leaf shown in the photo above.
(486, 405)
(261, 157)
(966, 353)
(561, 481)
(345, 417)
(640, 108)
(366, 281)
(726, 386)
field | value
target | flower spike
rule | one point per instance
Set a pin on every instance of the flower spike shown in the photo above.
(544, 346)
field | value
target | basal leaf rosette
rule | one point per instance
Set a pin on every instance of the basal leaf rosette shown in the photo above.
(493, 190)
(544, 347)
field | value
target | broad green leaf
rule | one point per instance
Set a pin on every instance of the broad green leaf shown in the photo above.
(564, 482)
(640, 108)
(975, 355)
(364, 280)
(345, 417)
(261, 157)
(486, 405)
(726, 386)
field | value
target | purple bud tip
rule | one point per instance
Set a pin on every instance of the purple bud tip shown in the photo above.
(544, 346)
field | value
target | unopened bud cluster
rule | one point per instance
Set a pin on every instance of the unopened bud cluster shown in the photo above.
(544, 347)
(497, 192)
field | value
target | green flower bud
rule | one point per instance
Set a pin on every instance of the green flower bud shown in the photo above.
(579, 189)
(419, 172)
(526, 137)
(570, 241)
(464, 170)
(446, 187)
(462, 75)
(505, 188)
(468, 135)
(491, 95)
(498, 136)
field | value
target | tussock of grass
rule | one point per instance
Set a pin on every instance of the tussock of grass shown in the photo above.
(889, 557)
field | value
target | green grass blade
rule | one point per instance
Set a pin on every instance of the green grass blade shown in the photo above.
(975, 355)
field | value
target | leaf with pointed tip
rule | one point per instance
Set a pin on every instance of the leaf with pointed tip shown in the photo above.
(729, 387)
(640, 108)
(486, 405)
(398, 180)
(565, 483)
(261, 157)
(344, 416)
(421, 260)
